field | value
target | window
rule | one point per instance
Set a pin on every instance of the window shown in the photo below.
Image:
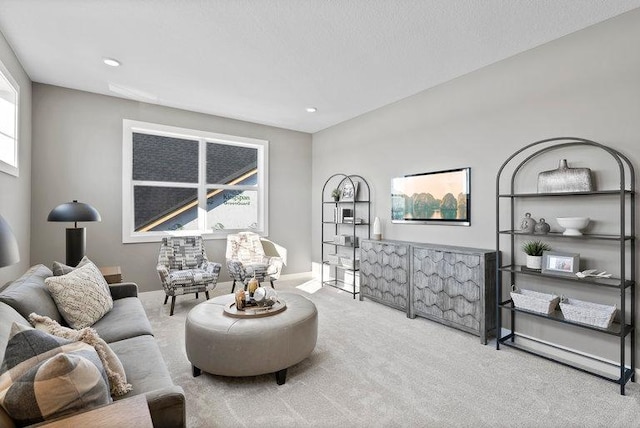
(8, 123)
(181, 181)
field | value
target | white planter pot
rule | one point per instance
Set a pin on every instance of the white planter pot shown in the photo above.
(534, 262)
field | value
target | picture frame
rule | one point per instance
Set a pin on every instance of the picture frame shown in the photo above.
(559, 263)
(349, 192)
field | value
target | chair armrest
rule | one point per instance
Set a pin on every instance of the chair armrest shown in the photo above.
(123, 289)
(275, 264)
(163, 273)
(211, 267)
(236, 270)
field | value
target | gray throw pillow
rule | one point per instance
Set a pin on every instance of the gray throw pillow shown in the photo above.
(62, 269)
(29, 294)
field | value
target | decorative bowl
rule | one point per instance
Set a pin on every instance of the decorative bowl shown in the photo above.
(573, 225)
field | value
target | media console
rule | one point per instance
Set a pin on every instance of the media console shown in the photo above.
(452, 285)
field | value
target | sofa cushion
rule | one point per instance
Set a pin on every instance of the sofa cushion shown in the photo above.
(82, 296)
(29, 294)
(112, 365)
(62, 269)
(8, 316)
(143, 362)
(126, 319)
(44, 377)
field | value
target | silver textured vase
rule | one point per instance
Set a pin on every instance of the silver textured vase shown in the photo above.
(565, 179)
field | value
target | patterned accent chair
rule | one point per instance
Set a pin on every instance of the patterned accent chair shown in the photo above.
(246, 258)
(183, 268)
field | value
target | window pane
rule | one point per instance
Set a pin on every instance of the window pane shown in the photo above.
(7, 150)
(165, 208)
(232, 209)
(7, 113)
(158, 158)
(227, 164)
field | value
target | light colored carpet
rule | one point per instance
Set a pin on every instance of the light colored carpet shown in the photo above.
(374, 367)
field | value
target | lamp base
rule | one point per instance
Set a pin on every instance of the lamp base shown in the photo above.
(76, 244)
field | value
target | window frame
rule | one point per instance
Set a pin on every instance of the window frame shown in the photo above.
(129, 127)
(6, 167)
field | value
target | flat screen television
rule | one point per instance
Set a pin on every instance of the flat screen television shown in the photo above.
(439, 197)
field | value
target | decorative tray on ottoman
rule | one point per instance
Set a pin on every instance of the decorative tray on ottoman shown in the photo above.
(254, 311)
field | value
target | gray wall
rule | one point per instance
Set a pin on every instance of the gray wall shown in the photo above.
(78, 155)
(15, 192)
(585, 85)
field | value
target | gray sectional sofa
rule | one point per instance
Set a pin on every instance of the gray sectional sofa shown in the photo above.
(125, 328)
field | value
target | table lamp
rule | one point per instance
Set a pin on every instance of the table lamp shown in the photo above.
(76, 236)
(9, 253)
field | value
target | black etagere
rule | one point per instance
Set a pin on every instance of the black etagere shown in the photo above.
(622, 197)
(355, 227)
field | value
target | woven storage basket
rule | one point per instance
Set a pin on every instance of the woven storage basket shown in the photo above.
(587, 312)
(534, 301)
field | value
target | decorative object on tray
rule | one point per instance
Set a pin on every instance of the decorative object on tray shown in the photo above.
(565, 179)
(593, 273)
(557, 263)
(587, 313)
(349, 191)
(240, 299)
(252, 286)
(377, 229)
(335, 194)
(263, 301)
(265, 296)
(573, 225)
(534, 251)
(541, 227)
(534, 301)
(255, 311)
(528, 224)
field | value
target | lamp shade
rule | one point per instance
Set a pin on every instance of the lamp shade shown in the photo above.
(9, 253)
(74, 211)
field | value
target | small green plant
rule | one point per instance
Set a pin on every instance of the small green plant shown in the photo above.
(335, 194)
(535, 248)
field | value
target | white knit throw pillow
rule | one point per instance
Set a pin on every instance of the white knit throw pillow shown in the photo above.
(82, 296)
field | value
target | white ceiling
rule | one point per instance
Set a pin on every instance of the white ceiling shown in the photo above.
(266, 60)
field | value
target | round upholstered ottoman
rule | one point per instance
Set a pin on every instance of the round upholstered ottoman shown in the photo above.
(223, 345)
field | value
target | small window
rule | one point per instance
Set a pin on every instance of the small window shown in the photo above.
(181, 181)
(8, 123)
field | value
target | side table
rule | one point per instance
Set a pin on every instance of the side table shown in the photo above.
(128, 412)
(112, 274)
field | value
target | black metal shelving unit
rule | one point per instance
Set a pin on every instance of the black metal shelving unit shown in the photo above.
(624, 327)
(332, 225)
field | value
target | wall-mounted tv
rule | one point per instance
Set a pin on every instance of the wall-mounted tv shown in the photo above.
(439, 197)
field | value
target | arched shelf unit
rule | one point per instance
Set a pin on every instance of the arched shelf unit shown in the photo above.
(620, 218)
(341, 233)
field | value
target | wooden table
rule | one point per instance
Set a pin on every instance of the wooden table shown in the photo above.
(112, 274)
(129, 412)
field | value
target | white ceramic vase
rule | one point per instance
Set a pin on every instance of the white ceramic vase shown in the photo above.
(534, 262)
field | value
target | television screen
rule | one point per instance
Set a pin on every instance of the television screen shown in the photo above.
(432, 197)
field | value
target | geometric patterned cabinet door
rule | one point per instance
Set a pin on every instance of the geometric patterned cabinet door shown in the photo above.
(384, 273)
(455, 286)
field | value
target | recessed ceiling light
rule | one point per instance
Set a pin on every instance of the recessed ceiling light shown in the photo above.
(111, 62)
(311, 109)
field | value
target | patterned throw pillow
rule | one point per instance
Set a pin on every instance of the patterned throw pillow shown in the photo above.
(44, 377)
(62, 269)
(110, 361)
(82, 296)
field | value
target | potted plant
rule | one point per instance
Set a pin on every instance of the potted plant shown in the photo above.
(335, 194)
(534, 250)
